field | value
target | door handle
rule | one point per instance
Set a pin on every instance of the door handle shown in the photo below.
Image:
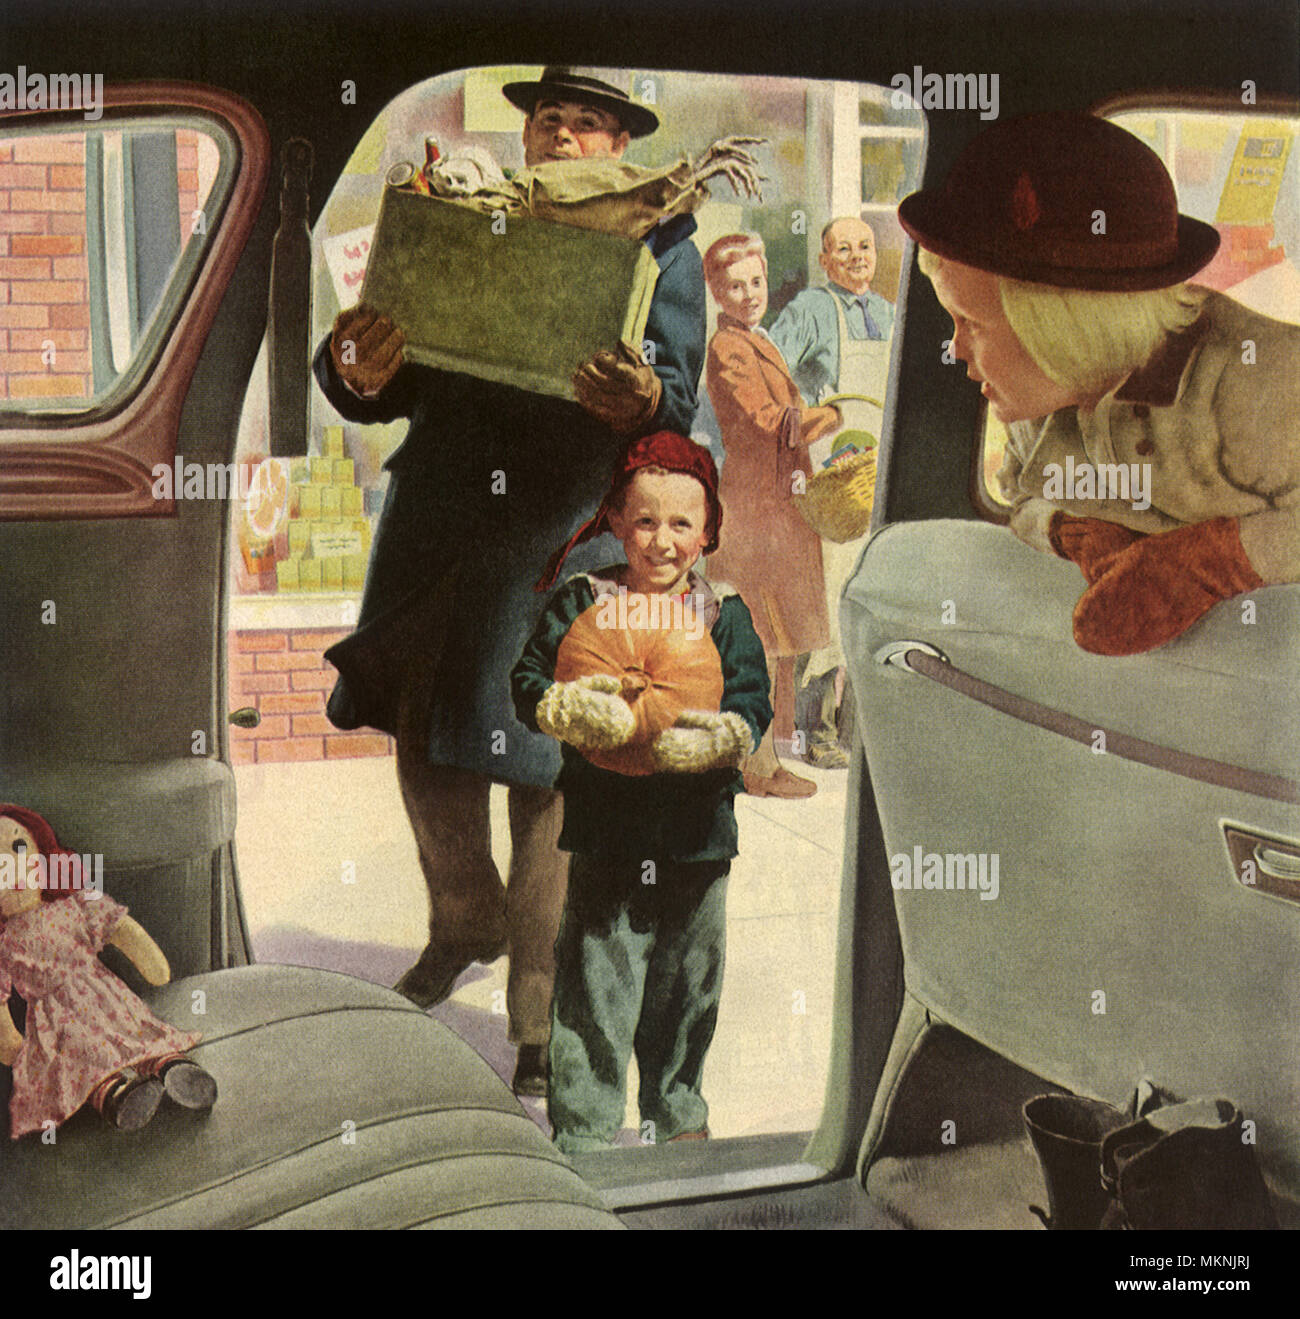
(1275, 864)
(1270, 865)
(245, 717)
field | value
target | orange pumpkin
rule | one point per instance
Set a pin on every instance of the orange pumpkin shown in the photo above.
(664, 670)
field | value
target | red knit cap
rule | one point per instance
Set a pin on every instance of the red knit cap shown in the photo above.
(43, 836)
(665, 449)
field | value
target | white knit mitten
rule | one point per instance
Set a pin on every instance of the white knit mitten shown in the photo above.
(700, 740)
(588, 713)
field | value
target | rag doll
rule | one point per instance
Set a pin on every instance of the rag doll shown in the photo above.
(87, 1038)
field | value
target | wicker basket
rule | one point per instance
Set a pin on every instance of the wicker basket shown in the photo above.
(837, 503)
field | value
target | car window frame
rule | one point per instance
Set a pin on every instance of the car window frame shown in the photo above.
(98, 463)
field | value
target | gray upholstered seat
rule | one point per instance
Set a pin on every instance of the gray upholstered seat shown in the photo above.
(341, 1105)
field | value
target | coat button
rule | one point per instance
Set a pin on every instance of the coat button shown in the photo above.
(1141, 411)
(1145, 447)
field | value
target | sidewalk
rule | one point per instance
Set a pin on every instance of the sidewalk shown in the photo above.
(353, 901)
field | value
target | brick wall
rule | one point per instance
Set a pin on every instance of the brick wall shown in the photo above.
(283, 673)
(43, 286)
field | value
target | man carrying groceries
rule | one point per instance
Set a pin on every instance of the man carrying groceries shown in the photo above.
(449, 598)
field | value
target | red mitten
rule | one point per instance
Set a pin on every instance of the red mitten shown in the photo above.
(1159, 586)
(1089, 542)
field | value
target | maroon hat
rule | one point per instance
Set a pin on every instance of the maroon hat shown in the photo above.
(666, 449)
(46, 842)
(1023, 199)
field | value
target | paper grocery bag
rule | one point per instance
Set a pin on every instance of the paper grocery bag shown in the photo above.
(516, 300)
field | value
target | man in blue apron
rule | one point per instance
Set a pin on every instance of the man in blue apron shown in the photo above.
(835, 340)
(449, 598)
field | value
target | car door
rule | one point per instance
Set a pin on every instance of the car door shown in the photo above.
(124, 225)
(1132, 822)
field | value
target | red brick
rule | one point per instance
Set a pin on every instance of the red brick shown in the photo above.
(4, 200)
(71, 201)
(277, 663)
(252, 683)
(66, 176)
(27, 317)
(67, 224)
(23, 176)
(15, 363)
(48, 245)
(48, 387)
(243, 753)
(313, 680)
(70, 316)
(49, 290)
(304, 724)
(268, 728)
(318, 640)
(4, 294)
(247, 641)
(187, 180)
(297, 748)
(294, 703)
(187, 154)
(65, 360)
(355, 744)
(29, 222)
(46, 150)
(240, 663)
(7, 152)
(69, 267)
(18, 267)
(35, 339)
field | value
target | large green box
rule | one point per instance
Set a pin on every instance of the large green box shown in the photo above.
(524, 305)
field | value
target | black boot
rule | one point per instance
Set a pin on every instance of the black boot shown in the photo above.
(188, 1085)
(1067, 1133)
(132, 1103)
(1184, 1166)
(531, 1071)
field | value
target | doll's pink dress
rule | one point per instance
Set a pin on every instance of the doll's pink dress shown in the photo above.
(83, 1023)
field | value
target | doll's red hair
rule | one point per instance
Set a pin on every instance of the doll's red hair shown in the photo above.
(46, 842)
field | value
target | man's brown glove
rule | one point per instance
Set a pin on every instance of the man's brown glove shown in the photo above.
(1090, 542)
(618, 388)
(366, 349)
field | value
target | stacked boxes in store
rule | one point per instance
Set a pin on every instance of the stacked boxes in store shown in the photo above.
(328, 537)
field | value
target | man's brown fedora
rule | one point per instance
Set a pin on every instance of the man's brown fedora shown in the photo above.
(1065, 199)
(561, 83)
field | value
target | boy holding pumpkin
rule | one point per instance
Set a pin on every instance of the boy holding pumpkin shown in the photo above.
(655, 722)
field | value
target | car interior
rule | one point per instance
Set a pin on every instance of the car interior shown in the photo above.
(1124, 952)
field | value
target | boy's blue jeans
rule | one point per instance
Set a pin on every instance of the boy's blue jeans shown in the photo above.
(638, 968)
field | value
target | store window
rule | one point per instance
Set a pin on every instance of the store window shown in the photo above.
(1238, 172)
(104, 230)
(299, 547)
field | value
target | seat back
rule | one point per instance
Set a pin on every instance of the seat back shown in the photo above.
(1121, 943)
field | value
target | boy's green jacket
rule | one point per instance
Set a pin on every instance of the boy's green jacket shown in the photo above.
(662, 817)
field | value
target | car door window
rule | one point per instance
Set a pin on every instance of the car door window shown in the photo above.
(115, 241)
